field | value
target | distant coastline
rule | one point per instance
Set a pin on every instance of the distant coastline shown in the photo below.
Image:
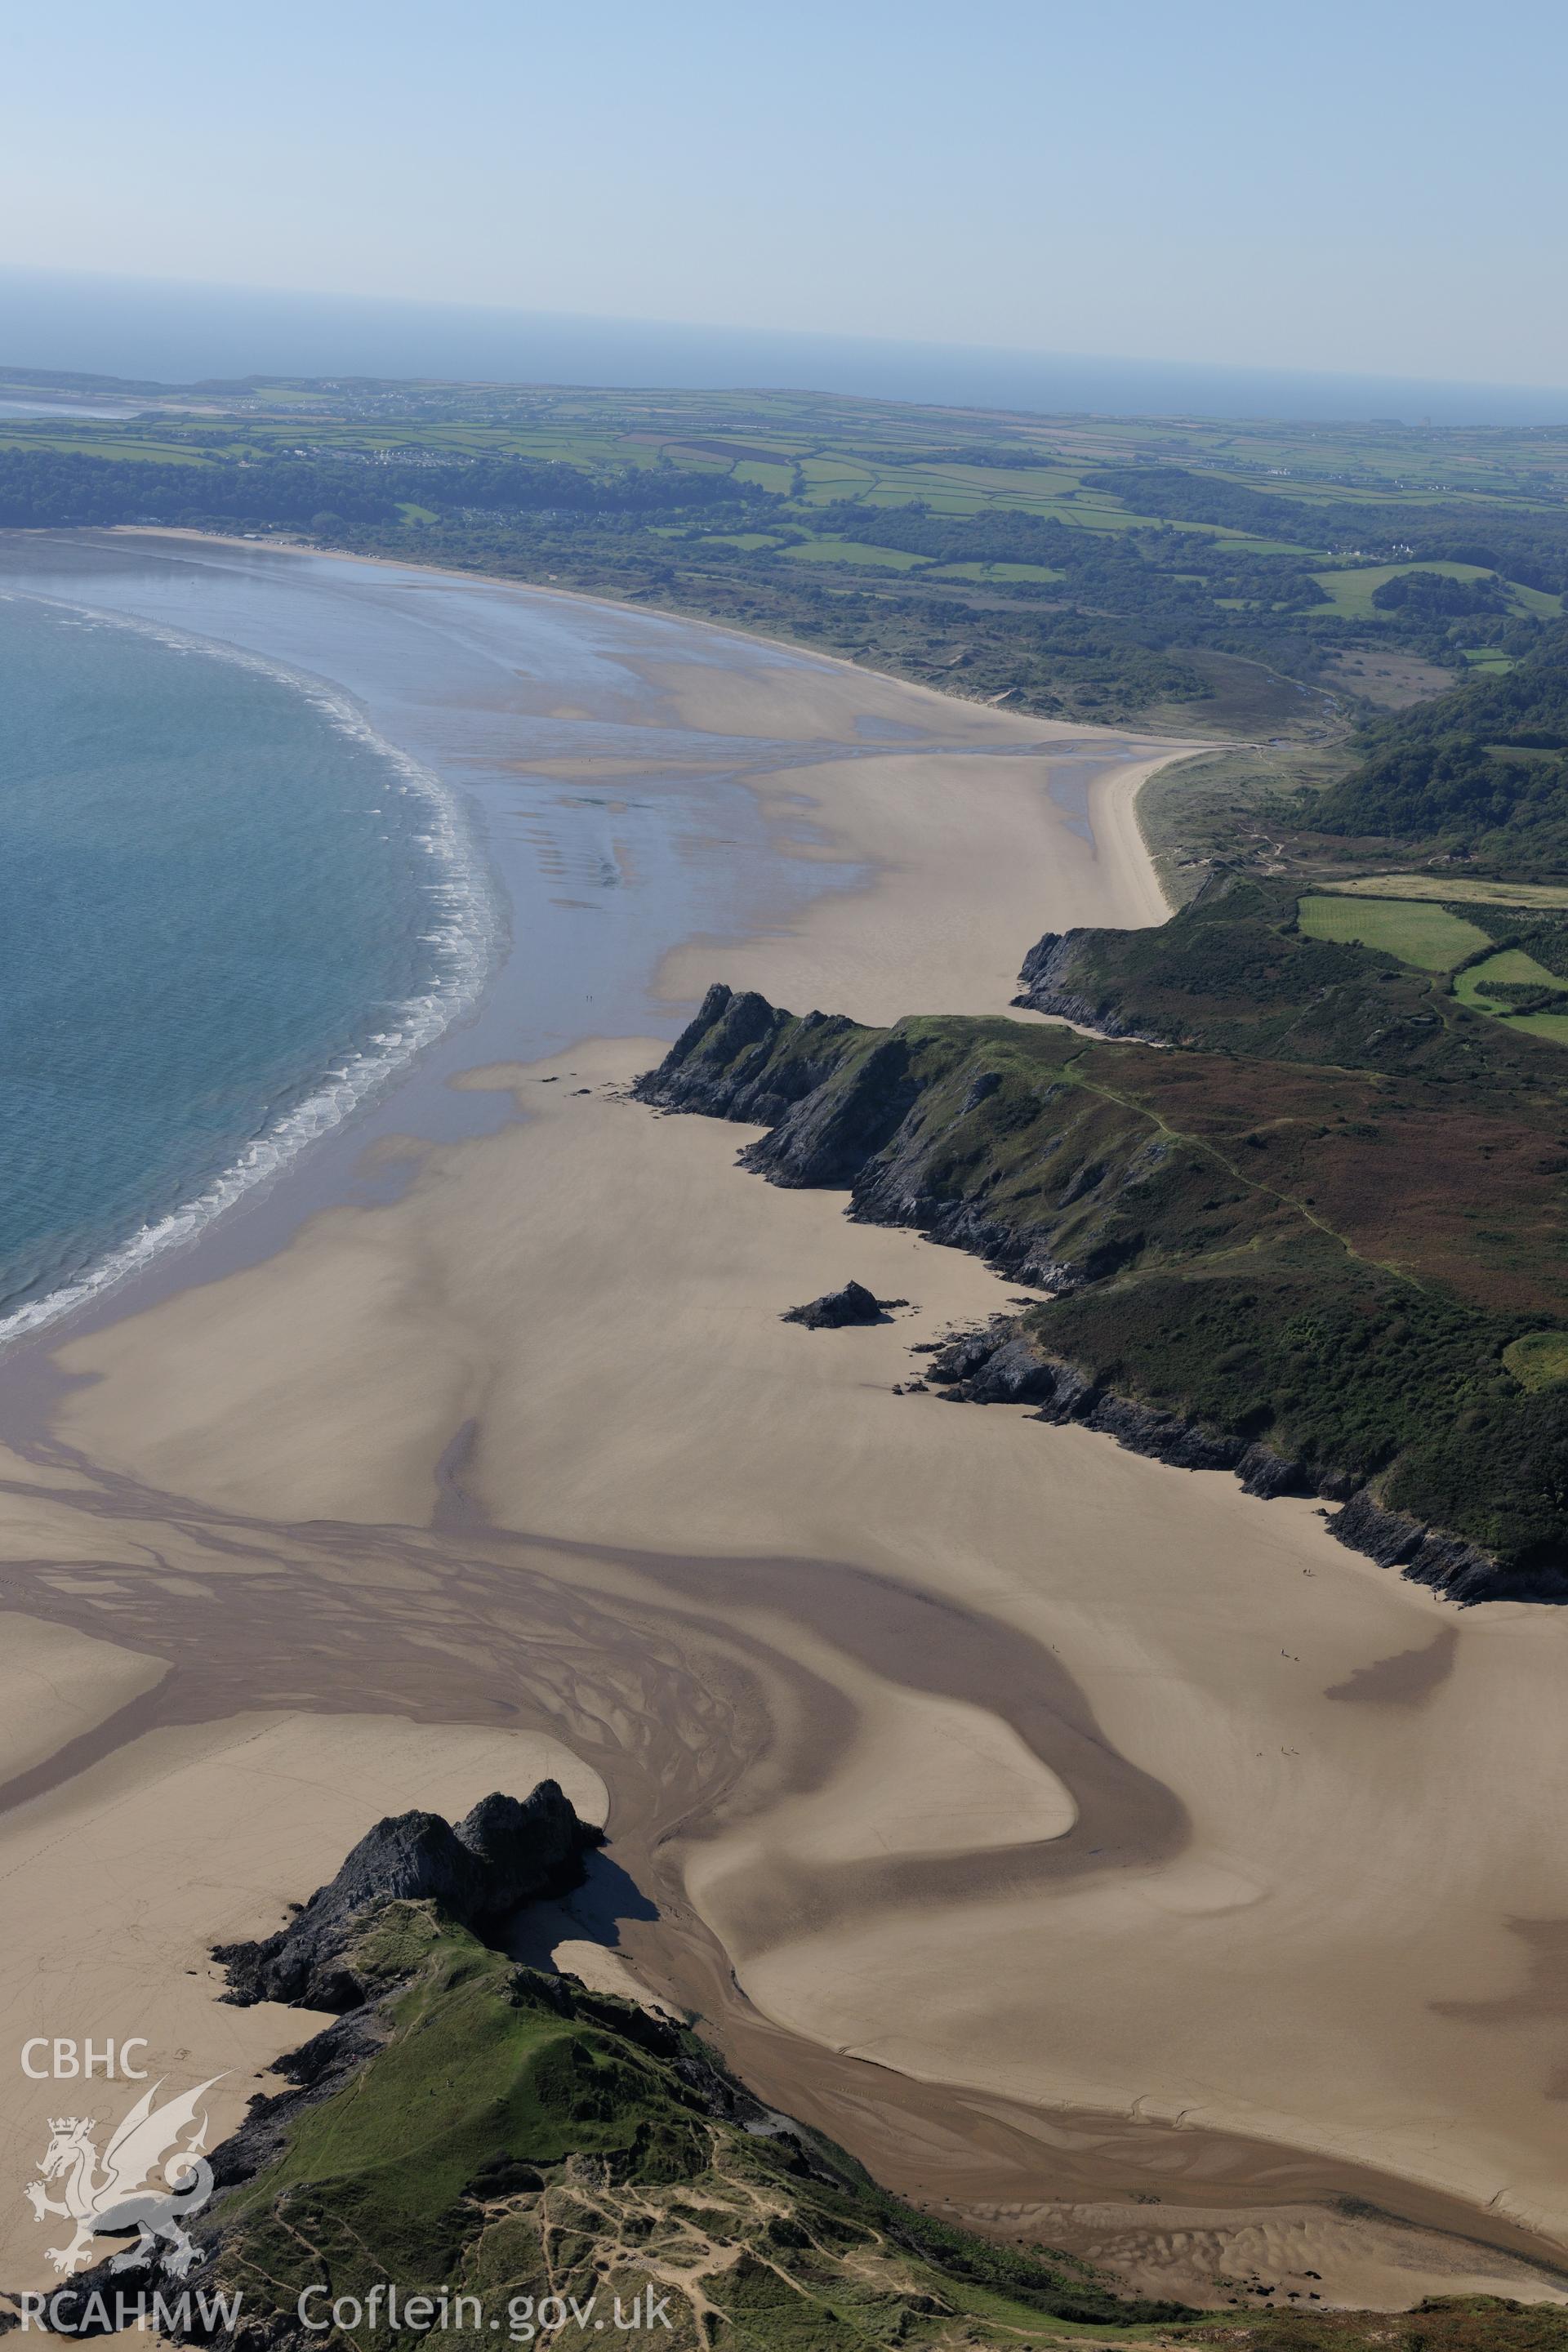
(178, 332)
(314, 1114)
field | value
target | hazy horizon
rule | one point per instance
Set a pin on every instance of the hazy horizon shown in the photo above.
(1375, 196)
(172, 332)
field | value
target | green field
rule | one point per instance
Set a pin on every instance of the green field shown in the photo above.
(766, 476)
(849, 550)
(1350, 592)
(1425, 936)
(1427, 886)
(1512, 969)
(997, 572)
(512, 2136)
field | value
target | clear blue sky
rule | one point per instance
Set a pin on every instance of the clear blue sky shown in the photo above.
(1355, 185)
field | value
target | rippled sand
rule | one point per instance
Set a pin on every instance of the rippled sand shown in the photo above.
(1053, 1827)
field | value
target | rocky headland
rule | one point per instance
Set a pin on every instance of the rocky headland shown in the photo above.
(1206, 1303)
(468, 2127)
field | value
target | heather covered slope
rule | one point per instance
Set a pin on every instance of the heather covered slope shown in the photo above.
(1321, 1268)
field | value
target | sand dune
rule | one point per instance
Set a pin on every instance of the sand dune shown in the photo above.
(1296, 2255)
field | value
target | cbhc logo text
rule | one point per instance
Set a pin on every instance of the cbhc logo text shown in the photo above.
(67, 2061)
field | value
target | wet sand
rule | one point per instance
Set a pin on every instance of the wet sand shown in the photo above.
(117, 1882)
(1052, 1827)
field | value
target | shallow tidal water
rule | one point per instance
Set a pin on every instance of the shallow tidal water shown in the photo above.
(230, 911)
(285, 829)
(270, 829)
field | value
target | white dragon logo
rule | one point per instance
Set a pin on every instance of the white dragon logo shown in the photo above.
(109, 2196)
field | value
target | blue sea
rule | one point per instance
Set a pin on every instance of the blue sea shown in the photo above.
(153, 331)
(231, 912)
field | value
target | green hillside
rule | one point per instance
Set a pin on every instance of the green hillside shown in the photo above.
(1295, 1233)
(1481, 773)
(518, 2140)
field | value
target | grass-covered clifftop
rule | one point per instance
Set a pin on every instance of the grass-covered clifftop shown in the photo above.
(515, 2139)
(476, 2149)
(518, 2140)
(1300, 1239)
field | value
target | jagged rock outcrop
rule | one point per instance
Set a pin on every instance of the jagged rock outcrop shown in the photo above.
(506, 1853)
(845, 1111)
(1445, 1562)
(836, 1309)
(995, 1365)
(724, 1062)
(1051, 981)
(1056, 977)
(1002, 1364)
(826, 1137)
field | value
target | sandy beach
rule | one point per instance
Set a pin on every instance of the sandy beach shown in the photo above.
(1057, 1829)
